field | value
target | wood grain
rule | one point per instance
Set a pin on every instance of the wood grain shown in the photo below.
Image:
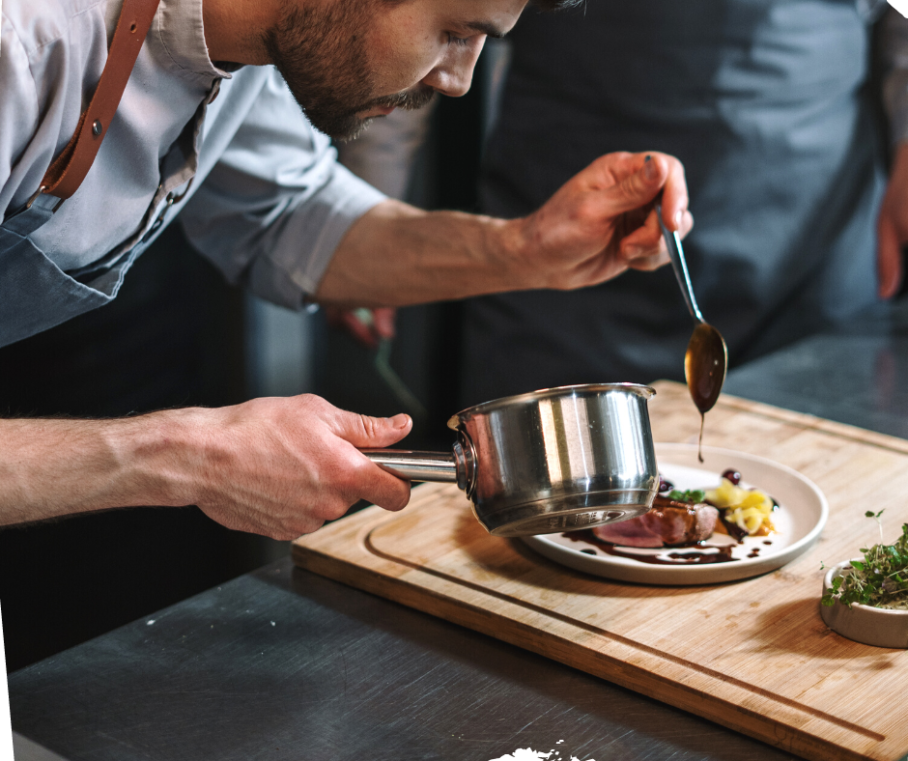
(753, 655)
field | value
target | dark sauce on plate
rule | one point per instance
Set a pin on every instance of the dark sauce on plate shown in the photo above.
(696, 555)
(701, 553)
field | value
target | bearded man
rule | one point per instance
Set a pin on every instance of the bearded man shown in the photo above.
(206, 127)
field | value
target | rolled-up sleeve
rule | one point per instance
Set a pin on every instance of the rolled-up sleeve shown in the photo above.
(276, 204)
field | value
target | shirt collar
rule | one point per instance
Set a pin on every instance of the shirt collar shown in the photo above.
(178, 29)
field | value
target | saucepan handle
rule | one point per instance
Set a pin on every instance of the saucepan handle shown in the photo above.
(415, 466)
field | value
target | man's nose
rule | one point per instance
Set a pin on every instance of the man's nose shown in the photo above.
(453, 78)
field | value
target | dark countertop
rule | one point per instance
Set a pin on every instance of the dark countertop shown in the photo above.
(282, 664)
(857, 375)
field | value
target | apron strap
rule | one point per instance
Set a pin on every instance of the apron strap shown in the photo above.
(69, 168)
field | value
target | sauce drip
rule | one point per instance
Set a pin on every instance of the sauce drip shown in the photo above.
(705, 363)
(696, 555)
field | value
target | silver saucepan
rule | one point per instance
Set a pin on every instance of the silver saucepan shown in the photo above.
(553, 460)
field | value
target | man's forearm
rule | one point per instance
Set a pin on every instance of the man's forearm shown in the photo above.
(57, 467)
(597, 225)
(398, 255)
(276, 466)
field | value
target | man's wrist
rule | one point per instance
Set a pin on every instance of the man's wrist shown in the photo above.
(159, 457)
(509, 245)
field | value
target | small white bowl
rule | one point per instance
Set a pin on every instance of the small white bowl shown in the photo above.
(863, 623)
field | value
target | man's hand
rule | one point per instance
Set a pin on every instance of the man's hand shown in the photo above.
(602, 221)
(279, 467)
(599, 224)
(282, 467)
(892, 226)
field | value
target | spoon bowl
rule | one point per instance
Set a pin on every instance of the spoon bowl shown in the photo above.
(705, 363)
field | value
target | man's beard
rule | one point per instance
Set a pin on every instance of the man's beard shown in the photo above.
(321, 54)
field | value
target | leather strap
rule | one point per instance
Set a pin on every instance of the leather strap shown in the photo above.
(69, 168)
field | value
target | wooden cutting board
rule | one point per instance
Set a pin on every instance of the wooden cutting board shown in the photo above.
(751, 655)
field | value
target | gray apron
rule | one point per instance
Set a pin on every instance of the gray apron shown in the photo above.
(52, 296)
(765, 102)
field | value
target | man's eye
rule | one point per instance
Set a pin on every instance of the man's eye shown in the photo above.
(455, 40)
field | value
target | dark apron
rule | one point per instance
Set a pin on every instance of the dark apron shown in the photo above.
(765, 102)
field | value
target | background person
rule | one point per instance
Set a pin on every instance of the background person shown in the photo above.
(769, 106)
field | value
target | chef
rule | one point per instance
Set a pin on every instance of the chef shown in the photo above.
(194, 114)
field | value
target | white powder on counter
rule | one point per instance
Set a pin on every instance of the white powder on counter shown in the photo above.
(527, 754)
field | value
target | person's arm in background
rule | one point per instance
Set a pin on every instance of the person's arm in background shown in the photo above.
(385, 157)
(892, 227)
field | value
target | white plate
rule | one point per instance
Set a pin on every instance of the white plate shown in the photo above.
(800, 518)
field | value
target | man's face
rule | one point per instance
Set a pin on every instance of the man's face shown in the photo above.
(349, 61)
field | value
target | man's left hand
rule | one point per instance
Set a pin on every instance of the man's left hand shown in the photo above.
(603, 221)
(599, 224)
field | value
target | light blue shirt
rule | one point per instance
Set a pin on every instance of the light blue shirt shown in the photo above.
(258, 189)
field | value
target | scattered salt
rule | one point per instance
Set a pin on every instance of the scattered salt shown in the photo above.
(527, 754)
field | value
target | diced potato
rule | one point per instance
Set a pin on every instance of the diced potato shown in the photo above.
(749, 509)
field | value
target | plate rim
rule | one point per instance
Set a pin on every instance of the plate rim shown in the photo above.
(692, 575)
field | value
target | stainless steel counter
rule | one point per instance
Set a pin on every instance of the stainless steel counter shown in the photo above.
(281, 664)
(857, 375)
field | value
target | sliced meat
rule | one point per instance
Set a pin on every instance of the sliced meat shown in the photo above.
(668, 523)
(630, 533)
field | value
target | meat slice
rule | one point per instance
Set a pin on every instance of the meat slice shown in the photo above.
(669, 523)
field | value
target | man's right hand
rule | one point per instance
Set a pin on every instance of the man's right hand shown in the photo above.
(283, 466)
(274, 466)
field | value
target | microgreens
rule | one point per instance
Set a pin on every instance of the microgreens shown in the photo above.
(871, 514)
(692, 496)
(879, 580)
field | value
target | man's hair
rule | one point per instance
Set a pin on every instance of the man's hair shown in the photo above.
(555, 5)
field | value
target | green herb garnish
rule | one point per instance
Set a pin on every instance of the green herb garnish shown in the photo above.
(693, 496)
(879, 580)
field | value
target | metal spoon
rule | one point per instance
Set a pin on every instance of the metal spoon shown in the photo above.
(706, 360)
